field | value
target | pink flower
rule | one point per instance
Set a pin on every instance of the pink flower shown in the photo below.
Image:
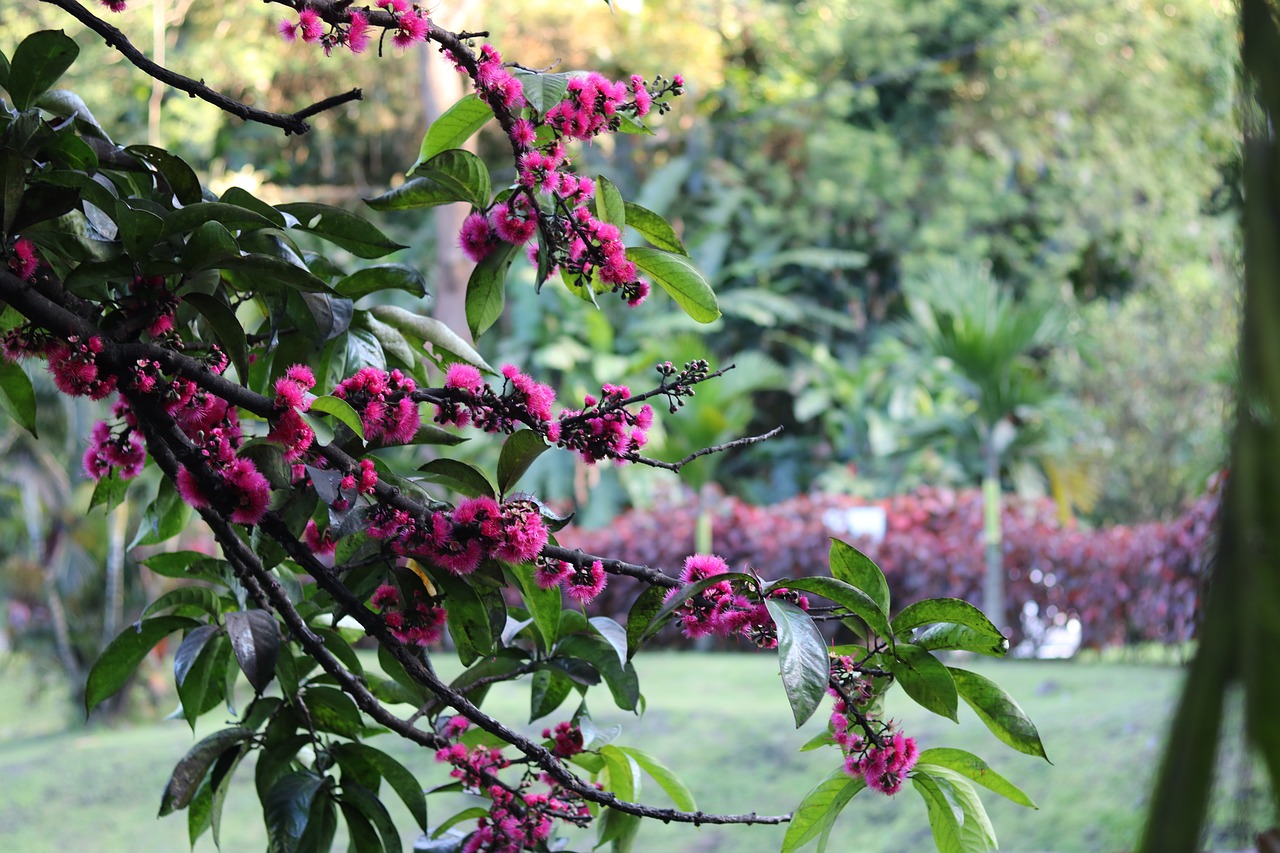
(310, 24)
(358, 32)
(115, 5)
(189, 490)
(24, 261)
(464, 377)
(251, 489)
(320, 543)
(586, 582)
(522, 132)
(551, 573)
(476, 239)
(412, 27)
(700, 566)
(513, 226)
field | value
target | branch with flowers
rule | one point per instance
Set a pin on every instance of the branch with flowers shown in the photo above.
(285, 412)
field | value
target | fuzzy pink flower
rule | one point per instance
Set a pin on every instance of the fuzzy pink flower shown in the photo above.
(551, 573)
(310, 24)
(358, 32)
(586, 582)
(515, 226)
(24, 261)
(412, 26)
(115, 5)
(320, 543)
(251, 489)
(464, 377)
(476, 239)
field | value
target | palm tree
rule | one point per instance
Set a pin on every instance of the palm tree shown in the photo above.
(985, 341)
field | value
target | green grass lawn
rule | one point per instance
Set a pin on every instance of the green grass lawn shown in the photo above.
(721, 721)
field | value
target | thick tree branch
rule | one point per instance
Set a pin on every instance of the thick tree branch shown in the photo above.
(293, 123)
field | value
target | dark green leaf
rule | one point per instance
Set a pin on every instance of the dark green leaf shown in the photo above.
(859, 571)
(341, 410)
(621, 680)
(393, 668)
(139, 230)
(548, 689)
(468, 618)
(434, 332)
(220, 782)
(268, 458)
(287, 807)
(545, 605)
(362, 282)
(222, 320)
(453, 128)
(613, 634)
(13, 176)
(623, 779)
(188, 596)
(472, 813)
(202, 682)
(642, 613)
(802, 658)
(71, 152)
(331, 314)
(398, 777)
(819, 809)
(243, 198)
(953, 610)
(191, 770)
(541, 89)
(453, 175)
(677, 275)
(926, 680)
(322, 823)
(255, 640)
(164, 518)
(333, 711)
(518, 453)
(462, 477)
(232, 216)
(970, 765)
(17, 397)
(653, 228)
(855, 600)
(610, 207)
(486, 289)
(199, 811)
(254, 269)
(998, 710)
(342, 228)
(363, 837)
(121, 657)
(177, 174)
(666, 779)
(208, 247)
(949, 637)
(109, 491)
(944, 816)
(38, 62)
(375, 812)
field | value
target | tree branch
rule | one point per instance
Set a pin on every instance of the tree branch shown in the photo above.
(293, 123)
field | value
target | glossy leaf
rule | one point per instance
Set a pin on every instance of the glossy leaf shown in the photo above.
(802, 658)
(653, 228)
(518, 452)
(397, 776)
(944, 816)
(610, 207)
(222, 319)
(363, 837)
(643, 611)
(542, 90)
(468, 618)
(109, 491)
(545, 605)
(180, 177)
(462, 477)
(208, 247)
(341, 410)
(459, 175)
(164, 518)
(623, 779)
(855, 600)
(971, 766)
(950, 637)
(121, 657)
(17, 397)
(623, 684)
(663, 775)
(286, 809)
(859, 571)
(953, 610)
(999, 711)
(201, 673)
(342, 228)
(613, 634)
(819, 808)
(434, 332)
(200, 597)
(486, 289)
(926, 680)
(548, 689)
(231, 216)
(243, 198)
(191, 770)
(453, 128)
(255, 641)
(39, 60)
(382, 277)
(333, 711)
(677, 275)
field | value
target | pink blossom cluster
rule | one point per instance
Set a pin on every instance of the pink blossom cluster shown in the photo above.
(149, 297)
(719, 611)
(582, 583)
(605, 428)
(494, 82)
(288, 429)
(72, 362)
(518, 819)
(23, 262)
(349, 27)
(477, 529)
(567, 739)
(592, 103)
(108, 449)
(320, 542)
(384, 402)
(115, 5)
(418, 622)
(873, 749)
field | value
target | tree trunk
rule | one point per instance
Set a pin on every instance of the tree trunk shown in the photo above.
(113, 607)
(993, 588)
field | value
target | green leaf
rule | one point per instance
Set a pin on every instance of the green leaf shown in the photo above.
(518, 453)
(342, 228)
(952, 610)
(222, 320)
(219, 782)
(999, 711)
(819, 808)
(453, 175)
(548, 689)
(977, 835)
(139, 230)
(677, 275)
(190, 771)
(653, 228)
(926, 680)
(4, 71)
(621, 680)
(187, 596)
(542, 90)
(666, 779)
(802, 658)
(855, 600)
(969, 765)
(286, 809)
(397, 775)
(109, 491)
(944, 816)
(180, 177)
(243, 198)
(202, 679)
(613, 634)
(453, 128)
(623, 779)
(363, 837)
(164, 518)
(333, 711)
(374, 811)
(255, 640)
(254, 269)
(544, 604)
(17, 397)
(341, 410)
(610, 207)
(38, 62)
(950, 637)
(467, 617)
(462, 477)
(232, 216)
(208, 247)
(859, 571)
(472, 813)
(818, 741)
(382, 277)
(121, 657)
(433, 331)
(643, 611)
(486, 289)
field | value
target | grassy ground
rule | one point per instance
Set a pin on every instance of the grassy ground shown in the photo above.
(721, 722)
